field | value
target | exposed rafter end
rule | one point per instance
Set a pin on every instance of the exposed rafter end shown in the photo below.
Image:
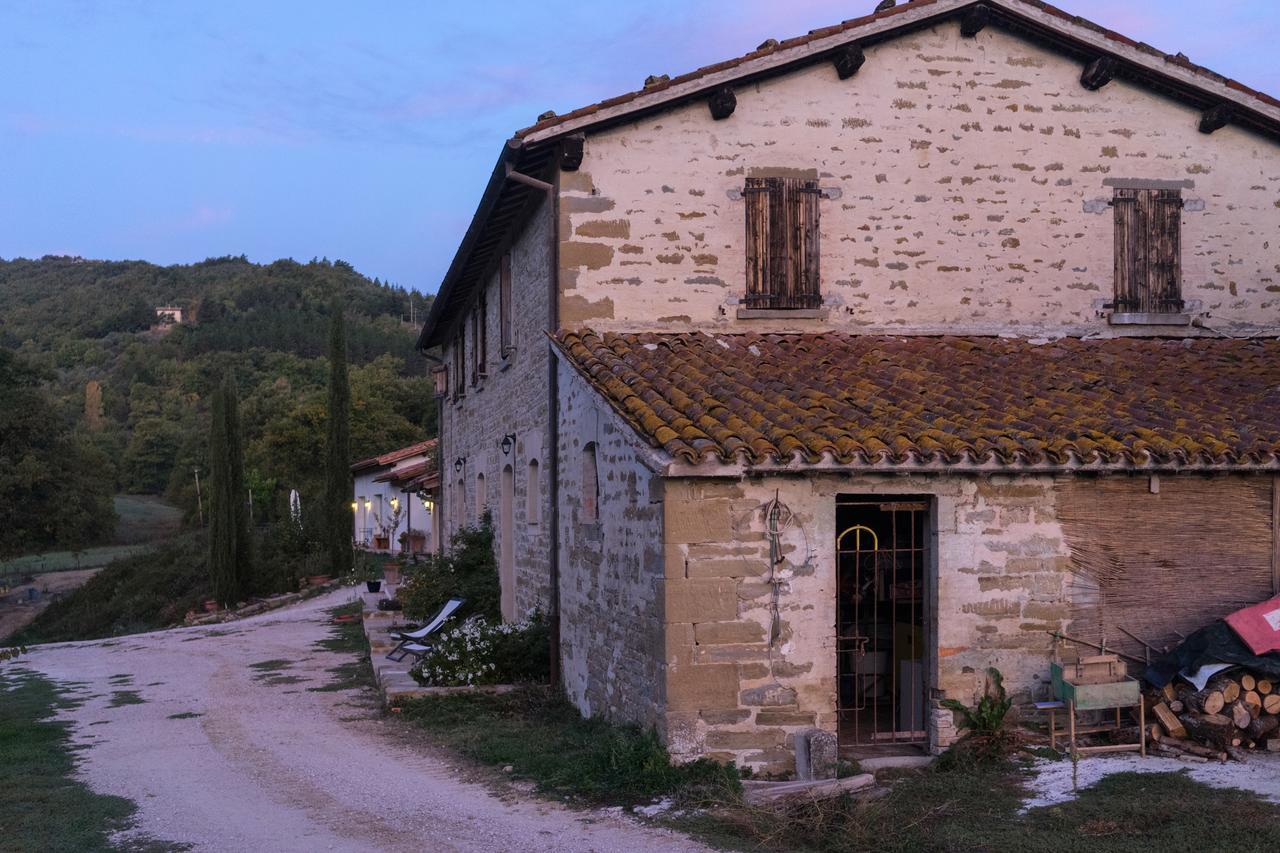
(1099, 73)
(571, 149)
(722, 102)
(1216, 118)
(848, 60)
(974, 20)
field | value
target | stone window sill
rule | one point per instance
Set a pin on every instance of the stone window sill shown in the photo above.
(1152, 319)
(783, 313)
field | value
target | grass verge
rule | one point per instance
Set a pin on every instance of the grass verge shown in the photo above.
(347, 637)
(543, 739)
(42, 807)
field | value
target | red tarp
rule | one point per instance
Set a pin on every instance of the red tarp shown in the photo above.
(1258, 626)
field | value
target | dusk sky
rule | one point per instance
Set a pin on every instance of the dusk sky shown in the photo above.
(175, 131)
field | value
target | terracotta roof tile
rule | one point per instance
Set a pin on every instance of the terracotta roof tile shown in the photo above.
(871, 400)
(394, 456)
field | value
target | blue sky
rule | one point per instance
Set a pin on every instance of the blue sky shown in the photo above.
(174, 131)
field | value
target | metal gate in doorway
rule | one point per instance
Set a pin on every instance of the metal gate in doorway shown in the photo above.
(881, 553)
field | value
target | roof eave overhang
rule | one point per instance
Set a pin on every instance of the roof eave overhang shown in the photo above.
(1037, 21)
(717, 469)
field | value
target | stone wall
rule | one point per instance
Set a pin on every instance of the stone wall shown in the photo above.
(610, 565)
(511, 399)
(972, 177)
(1001, 579)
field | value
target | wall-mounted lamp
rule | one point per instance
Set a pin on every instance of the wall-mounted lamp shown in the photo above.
(395, 504)
(458, 463)
(508, 442)
(354, 506)
(368, 505)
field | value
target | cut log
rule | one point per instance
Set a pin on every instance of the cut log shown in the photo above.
(1154, 733)
(1271, 704)
(1254, 702)
(1262, 727)
(1175, 706)
(1212, 730)
(1248, 682)
(1207, 701)
(1168, 692)
(1168, 719)
(1191, 747)
(1230, 690)
(1240, 715)
(1265, 687)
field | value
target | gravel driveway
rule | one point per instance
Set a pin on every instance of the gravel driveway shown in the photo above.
(270, 765)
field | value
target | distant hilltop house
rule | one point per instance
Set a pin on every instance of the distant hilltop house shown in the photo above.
(811, 384)
(393, 502)
(169, 315)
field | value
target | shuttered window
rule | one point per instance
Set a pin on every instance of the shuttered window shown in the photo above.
(482, 337)
(459, 359)
(1148, 265)
(782, 243)
(504, 306)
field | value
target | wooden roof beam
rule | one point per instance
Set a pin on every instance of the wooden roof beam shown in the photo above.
(1099, 73)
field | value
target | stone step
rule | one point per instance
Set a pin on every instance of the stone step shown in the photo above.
(762, 793)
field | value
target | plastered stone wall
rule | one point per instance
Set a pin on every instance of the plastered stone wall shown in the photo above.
(611, 569)
(971, 180)
(1001, 584)
(512, 399)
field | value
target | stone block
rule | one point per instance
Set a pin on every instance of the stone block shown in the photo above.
(784, 717)
(722, 633)
(740, 653)
(768, 695)
(700, 521)
(678, 643)
(756, 738)
(817, 754)
(701, 600)
(731, 568)
(725, 718)
(702, 687)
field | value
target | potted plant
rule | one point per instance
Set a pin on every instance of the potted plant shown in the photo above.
(373, 586)
(211, 606)
(391, 572)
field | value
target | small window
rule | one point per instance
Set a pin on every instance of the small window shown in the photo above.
(460, 505)
(590, 485)
(1148, 251)
(477, 343)
(533, 494)
(504, 306)
(482, 336)
(482, 500)
(782, 243)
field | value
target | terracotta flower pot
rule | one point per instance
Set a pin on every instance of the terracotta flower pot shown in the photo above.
(373, 586)
(211, 606)
(318, 580)
(391, 574)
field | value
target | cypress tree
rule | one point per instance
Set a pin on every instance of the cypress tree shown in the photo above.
(338, 483)
(229, 561)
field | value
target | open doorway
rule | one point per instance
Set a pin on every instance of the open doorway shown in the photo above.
(882, 549)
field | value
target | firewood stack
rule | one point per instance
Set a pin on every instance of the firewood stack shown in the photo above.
(1237, 711)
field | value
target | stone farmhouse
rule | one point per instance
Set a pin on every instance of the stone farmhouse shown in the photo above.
(807, 386)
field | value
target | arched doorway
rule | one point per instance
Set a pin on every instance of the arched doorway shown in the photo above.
(507, 545)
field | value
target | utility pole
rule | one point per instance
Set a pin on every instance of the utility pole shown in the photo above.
(199, 503)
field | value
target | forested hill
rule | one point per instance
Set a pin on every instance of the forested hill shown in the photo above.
(138, 392)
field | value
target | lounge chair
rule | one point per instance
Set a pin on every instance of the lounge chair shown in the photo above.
(411, 644)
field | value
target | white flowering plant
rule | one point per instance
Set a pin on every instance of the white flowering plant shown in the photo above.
(483, 652)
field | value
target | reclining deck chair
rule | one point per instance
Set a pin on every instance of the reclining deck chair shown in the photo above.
(411, 644)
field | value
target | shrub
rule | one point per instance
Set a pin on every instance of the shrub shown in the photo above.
(482, 652)
(987, 739)
(468, 570)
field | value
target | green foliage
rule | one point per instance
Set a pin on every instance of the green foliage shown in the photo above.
(75, 322)
(337, 485)
(987, 739)
(55, 485)
(482, 652)
(543, 738)
(142, 593)
(468, 570)
(229, 546)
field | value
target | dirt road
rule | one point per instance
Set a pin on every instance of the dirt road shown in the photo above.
(224, 756)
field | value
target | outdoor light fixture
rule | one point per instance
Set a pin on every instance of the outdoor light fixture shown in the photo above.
(395, 504)
(368, 505)
(458, 463)
(354, 506)
(508, 442)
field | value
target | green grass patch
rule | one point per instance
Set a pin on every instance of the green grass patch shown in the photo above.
(978, 809)
(42, 806)
(63, 561)
(144, 518)
(348, 638)
(544, 739)
(125, 697)
(185, 715)
(273, 665)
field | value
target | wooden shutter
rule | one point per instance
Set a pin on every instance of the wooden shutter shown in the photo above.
(459, 350)
(475, 349)
(504, 305)
(783, 252)
(482, 336)
(1148, 251)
